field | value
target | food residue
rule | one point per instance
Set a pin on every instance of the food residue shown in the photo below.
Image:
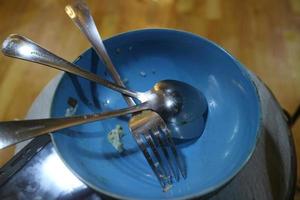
(143, 74)
(71, 110)
(115, 138)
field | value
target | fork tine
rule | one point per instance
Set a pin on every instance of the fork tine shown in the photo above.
(155, 167)
(162, 144)
(152, 145)
(177, 156)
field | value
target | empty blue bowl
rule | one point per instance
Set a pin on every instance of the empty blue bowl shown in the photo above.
(143, 58)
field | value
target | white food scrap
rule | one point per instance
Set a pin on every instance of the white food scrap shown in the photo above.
(70, 111)
(115, 138)
(143, 74)
(167, 187)
(72, 107)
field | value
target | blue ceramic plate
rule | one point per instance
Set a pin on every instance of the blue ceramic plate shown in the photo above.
(143, 58)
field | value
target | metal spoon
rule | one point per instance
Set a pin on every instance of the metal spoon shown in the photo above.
(181, 105)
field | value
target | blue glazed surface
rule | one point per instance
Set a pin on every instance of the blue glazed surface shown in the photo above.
(144, 57)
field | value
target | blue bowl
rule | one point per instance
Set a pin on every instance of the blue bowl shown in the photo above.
(145, 57)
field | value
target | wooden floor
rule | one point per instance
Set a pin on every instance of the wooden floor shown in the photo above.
(262, 34)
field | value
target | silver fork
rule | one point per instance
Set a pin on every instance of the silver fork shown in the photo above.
(148, 128)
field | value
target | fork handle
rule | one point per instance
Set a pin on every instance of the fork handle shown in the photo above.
(12, 132)
(80, 14)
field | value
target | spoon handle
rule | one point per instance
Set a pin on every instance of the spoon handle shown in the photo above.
(80, 14)
(12, 132)
(18, 46)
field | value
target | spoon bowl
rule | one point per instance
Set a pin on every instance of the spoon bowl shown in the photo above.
(182, 106)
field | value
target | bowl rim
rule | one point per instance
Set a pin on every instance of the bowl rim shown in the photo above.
(244, 71)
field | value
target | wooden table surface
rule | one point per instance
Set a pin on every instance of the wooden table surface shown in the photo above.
(263, 34)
